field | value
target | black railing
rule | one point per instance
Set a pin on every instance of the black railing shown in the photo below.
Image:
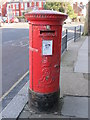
(77, 33)
(65, 39)
(64, 43)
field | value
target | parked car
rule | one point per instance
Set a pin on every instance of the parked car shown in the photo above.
(68, 20)
(4, 19)
(12, 20)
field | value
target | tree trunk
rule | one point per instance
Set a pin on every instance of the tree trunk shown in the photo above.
(87, 23)
(89, 18)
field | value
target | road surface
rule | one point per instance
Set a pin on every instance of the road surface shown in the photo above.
(15, 55)
(71, 29)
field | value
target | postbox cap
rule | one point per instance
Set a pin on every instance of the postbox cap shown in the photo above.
(45, 15)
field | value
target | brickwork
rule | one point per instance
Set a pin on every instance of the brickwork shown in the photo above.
(18, 8)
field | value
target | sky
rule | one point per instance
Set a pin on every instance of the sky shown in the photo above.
(84, 1)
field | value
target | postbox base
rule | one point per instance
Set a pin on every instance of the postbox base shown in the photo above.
(43, 102)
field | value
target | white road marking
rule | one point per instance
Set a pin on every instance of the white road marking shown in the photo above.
(13, 86)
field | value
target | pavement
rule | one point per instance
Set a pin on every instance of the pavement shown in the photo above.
(82, 59)
(15, 25)
(72, 82)
(74, 95)
(15, 55)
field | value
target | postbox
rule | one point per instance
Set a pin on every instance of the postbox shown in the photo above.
(45, 34)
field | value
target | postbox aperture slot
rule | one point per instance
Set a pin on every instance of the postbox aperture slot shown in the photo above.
(47, 32)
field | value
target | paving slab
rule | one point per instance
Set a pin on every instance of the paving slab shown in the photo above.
(7, 99)
(16, 25)
(31, 113)
(13, 109)
(82, 59)
(75, 107)
(72, 82)
(27, 114)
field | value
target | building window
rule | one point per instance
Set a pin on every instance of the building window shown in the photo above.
(8, 8)
(22, 13)
(30, 4)
(17, 13)
(17, 6)
(40, 4)
(14, 13)
(13, 6)
(34, 3)
(21, 5)
(25, 6)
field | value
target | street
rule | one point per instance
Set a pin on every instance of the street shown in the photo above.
(71, 28)
(15, 54)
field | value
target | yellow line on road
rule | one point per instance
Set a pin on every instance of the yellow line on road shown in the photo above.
(13, 86)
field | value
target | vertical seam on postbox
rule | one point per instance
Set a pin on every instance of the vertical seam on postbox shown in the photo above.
(32, 57)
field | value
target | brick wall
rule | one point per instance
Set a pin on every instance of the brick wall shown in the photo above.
(18, 8)
(77, 9)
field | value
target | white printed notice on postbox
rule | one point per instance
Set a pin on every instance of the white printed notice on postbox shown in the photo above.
(47, 47)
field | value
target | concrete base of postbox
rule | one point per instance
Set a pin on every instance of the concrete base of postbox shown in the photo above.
(43, 102)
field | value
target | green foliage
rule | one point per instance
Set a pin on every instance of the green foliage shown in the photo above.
(54, 6)
(70, 12)
(61, 7)
(21, 17)
(23, 13)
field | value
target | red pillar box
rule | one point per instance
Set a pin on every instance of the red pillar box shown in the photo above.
(44, 57)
